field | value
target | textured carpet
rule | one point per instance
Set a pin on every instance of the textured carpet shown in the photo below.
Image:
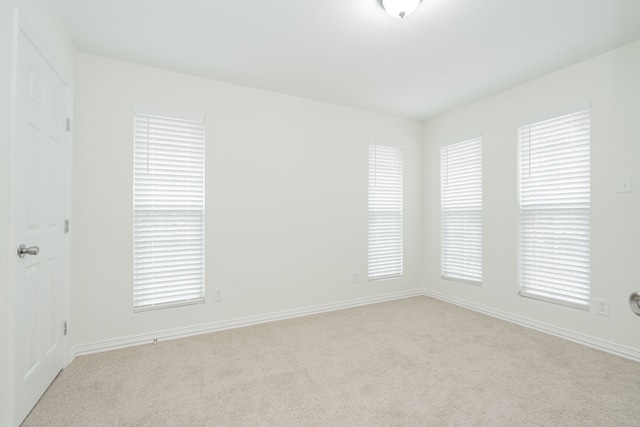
(411, 362)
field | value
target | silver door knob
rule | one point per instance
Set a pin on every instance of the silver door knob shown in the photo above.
(23, 250)
(634, 302)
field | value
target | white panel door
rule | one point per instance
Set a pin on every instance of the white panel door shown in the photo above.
(39, 214)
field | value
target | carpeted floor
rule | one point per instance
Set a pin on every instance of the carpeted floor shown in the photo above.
(411, 362)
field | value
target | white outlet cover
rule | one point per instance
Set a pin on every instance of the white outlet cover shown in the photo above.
(601, 306)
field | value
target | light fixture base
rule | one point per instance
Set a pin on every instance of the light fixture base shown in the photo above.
(400, 9)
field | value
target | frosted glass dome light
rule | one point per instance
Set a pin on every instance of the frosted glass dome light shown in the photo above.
(400, 8)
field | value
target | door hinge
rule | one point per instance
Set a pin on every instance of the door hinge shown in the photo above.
(66, 226)
(65, 327)
(68, 124)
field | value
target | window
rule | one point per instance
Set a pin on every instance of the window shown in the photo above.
(168, 204)
(385, 212)
(554, 209)
(461, 206)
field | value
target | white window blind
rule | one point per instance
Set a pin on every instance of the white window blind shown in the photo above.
(168, 211)
(461, 205)
(385, 212)
(554, 209)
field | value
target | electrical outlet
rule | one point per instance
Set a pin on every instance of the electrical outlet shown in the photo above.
(354, 277)
(602, 306)
(217, 294)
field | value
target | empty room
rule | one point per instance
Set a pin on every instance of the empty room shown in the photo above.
(330, 213)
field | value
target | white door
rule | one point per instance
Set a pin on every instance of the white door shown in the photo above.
(39, 215)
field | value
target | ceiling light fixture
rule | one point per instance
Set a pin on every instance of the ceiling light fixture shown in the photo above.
(400, 8)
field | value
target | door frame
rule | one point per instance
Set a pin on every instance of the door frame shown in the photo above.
(20, 26)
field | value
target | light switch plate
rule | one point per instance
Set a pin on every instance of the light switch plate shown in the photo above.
(625, 184)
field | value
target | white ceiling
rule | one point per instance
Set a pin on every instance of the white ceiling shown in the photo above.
(350, 52)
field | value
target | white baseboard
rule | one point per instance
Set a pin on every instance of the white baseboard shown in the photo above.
(233, 323)
(134, 340)
(587, 340)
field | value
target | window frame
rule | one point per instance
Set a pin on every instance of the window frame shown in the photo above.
(461, 203)
(168, 209)
(385, 257)
(548, 280)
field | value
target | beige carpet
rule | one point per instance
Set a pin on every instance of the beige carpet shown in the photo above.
(411, 362)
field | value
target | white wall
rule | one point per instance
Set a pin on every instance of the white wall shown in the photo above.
(611, 83)
(45, 24)
(286, 199)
